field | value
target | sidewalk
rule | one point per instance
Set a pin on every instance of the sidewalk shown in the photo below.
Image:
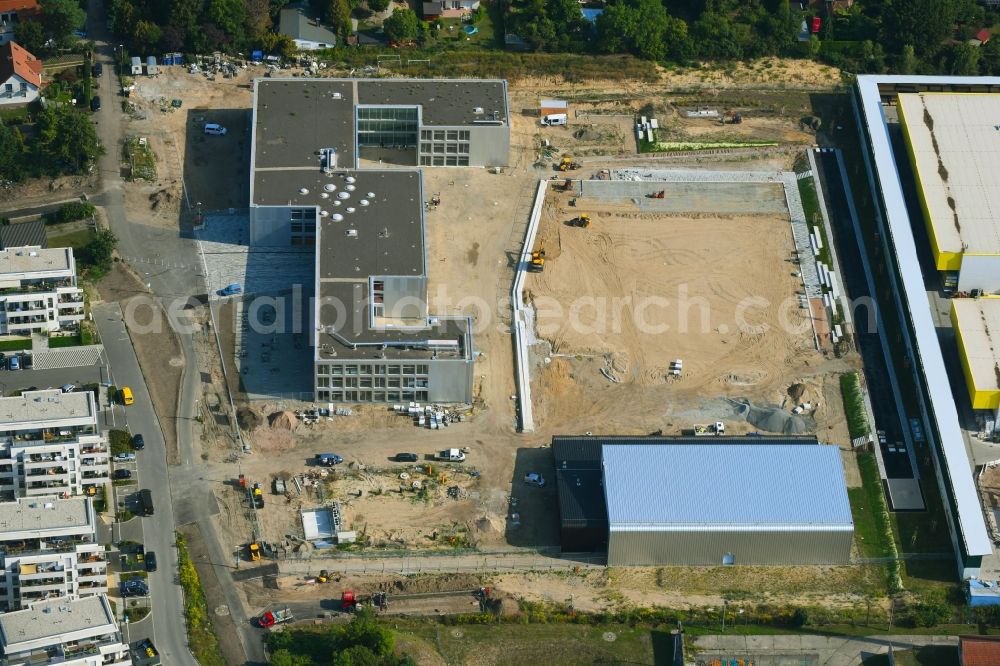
(827, 650)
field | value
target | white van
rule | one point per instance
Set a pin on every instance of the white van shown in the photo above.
(216, 129)
(554, 119)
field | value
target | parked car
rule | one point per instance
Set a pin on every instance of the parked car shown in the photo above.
(97, 70)
(123, 474)
(125, 457)
(95, 103)
(407, 457)
(215, 129)
(26, 362)
(138, 443)
(230, 290)
(328, 459)
(14, 363)
(68, 388)
(534, 479)
(150, 561)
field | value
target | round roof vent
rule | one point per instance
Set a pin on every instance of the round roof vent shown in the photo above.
(336, 203)
(329, 187)
(350, 210)
(363, 202)
(343, 195)
(324, 213)
(350, 179)
(371, 195)
(349, 188)
(337, 217)
(303, 190)
(324, 195)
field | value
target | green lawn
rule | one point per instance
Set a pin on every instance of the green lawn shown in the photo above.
(549, 644)
(74, 239)
(810, 205)
(57, 341)
(865, 502)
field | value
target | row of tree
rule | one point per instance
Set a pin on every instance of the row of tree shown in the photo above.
(54, 28)
(362, 642)
(62, 140)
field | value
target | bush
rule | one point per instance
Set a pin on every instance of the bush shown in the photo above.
(201, 635)
(71, 212)
(120, 441)
(854, 405)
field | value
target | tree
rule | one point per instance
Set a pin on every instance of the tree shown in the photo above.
(30, 34)
(338, 13)
(96, 255)
(285, 658)
(403, 25)
(922, 23)
(378, 6)
(634, 25)
(146, 35)
(960, 59)
(365, 631)
(357, 655)
(61, 18)
(65, 140)
(11, 153)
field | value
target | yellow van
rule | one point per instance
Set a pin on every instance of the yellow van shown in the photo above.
(127, 398)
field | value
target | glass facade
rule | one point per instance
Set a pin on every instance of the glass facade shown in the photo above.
(372, 382)
(444, 147)
(387, 126)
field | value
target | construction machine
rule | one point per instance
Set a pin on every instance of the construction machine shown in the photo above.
(257, 495)
(656, 195)
(349, 601)
(567, 164)
(537, 264)
(268, 619)
(253, 550)
(582, 221)
(567, 185)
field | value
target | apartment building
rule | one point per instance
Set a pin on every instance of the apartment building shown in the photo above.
(38, 291)
(49, 550)
(70, 632)
(51, 444)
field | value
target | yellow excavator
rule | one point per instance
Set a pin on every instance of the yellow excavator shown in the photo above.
(537, 264)
(254, 550)
(582, 221)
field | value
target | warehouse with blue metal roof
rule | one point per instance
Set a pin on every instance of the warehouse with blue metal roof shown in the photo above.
(658, 501)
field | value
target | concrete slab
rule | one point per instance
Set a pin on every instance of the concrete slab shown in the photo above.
(905, 495)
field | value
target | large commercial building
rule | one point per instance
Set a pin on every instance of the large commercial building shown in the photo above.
(335, 165)
(944, 127)
(38, 291)
(658, 501)
(69, 632)
(49, 549)
(51, 444)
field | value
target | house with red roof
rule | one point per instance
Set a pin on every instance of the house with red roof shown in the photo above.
(20, 75)
(13, 12)
(979, 650)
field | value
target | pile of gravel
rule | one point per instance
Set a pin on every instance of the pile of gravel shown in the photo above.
(774, 419)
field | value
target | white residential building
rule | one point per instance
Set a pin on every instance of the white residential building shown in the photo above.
(48, 550)
(51, 444)
(20, 75)
(13, 12)
(38, 290)
(449, 8)
(70, 632)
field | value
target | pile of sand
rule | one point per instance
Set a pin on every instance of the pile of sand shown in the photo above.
(285, 420)
(773, 419)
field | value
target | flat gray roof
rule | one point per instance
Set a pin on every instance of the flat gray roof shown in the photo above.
(297, 24)
(294, 118)
(957, 465)
(444, 103)
(741, 486)
(347, 307)
(38, 514)
(47, 407)
(56, 619)
(35, 260)
(384, 237)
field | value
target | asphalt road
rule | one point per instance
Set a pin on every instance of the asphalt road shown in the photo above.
(19, 380)
(158, 529)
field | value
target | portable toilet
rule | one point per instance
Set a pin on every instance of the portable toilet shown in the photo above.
(151, 69)
(136, 66)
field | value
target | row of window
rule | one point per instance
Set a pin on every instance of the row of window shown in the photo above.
(444, 160)
(369, 369)
(444, 135)
(443, 148)
(303, 214)
(304, 241)
(370, 396)
(371, 382)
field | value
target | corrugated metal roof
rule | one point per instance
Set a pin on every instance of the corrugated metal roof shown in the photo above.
(957, 465)
(758, 485)
(24, 234)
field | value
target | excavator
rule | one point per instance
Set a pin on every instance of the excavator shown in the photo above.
(567, 164)
(537, 264)
(582, 221)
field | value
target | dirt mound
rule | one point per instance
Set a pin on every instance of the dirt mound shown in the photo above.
(285, 420)
(248, 418)
(448, 583)
(164, 198)
(772, 419)
(796, 391)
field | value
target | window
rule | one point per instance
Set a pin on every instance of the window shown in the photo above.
(393, 369)
(439, 135)
(366, 369)
(451, 161)
(425, 147)
(322, 381)
(452, 135)
(296, 227)
(296, 214)
(439, 160)
(421, 369)
(438, 147)
(463, 161)
(408, 369)
(337, 382)
(365, 382)
(463, 135)
(463, 148)
(452, 148)
(425, 160)
(426, 135)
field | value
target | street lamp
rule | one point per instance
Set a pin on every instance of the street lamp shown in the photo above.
(725, 604)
